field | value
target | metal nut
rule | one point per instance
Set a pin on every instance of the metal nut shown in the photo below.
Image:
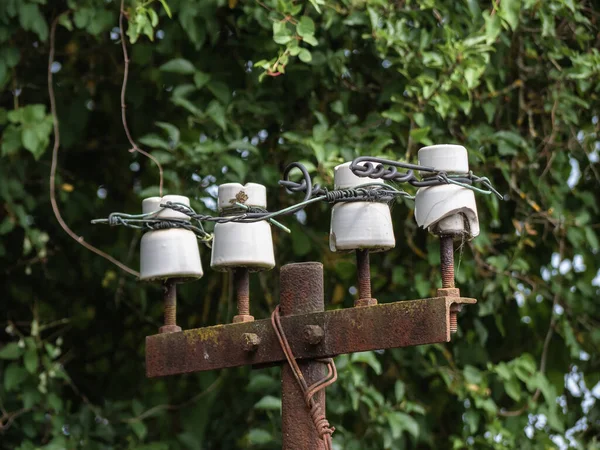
(313, 334)
(169, 329)
(242, 318)
(250, 342)
(448, 292)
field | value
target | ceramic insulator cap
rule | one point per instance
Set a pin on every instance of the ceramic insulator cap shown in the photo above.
(344, 178)
(238, 244)
(250, 194)
(447, 209)
(169, 253)
(445, 157)
(359, 225)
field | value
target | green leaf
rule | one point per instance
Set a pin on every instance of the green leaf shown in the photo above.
(31, 19)
(509, 11)
(305, 56)
(261, 383)
(268, 403)
(30, 361)
(368, 358)
(305, 27)
(178, 65)
(55, 402)
(311, 40)
(399, 390)
(11, 140)
(140, 429)
(220, 90)
(281, 33)
(11, 351)
(257, 436)
(14, 375)
(166, 8)
(420, 134)
(216, 112)
(31, 141)
(200, 79)
(172, 131)
(400, 422)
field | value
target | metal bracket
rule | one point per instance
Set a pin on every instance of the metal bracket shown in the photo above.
(311, 336)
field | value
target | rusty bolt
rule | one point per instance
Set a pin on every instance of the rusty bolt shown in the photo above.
(313, 334)
(250, 342)
(454, 310)
(363, 269)
(447, 261)
(241, 280)
(170, 305)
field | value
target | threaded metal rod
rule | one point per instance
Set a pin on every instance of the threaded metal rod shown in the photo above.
(170, 299)
(447, 261)
(242, 290)
(363, 269)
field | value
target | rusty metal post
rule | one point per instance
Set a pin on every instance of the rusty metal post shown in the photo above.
(301, 293)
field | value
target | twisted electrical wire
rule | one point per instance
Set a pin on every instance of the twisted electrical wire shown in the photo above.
(373, 192)
(375, 168)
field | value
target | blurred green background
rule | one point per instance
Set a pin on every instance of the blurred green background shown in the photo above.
(226, 91)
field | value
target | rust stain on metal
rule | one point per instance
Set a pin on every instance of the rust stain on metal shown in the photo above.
(363, 271)
(447, 261)
(170, 307)
(250, 342)
(389, 325)
(241, 277)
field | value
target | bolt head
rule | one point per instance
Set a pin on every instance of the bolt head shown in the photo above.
(313, 334)
(250, 342)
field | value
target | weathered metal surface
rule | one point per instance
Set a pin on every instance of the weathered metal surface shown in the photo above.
(301, 292)
(170, 306)
(389, 325)
(363, 272)
(447, 261)
(241, 281)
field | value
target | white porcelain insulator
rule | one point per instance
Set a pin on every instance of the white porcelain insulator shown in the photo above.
(445, 158)
(169, 253)
(250, 194)
(359, 225)
(152, 204)
(248, 245)
(344, 178)
(238, 244)
(440, 210)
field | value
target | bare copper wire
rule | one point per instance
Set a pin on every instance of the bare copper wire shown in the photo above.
(316, 411)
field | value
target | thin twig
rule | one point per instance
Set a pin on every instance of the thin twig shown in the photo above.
(134, 146)
(53, 167)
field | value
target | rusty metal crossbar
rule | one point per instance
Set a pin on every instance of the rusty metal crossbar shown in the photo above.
(311, 336)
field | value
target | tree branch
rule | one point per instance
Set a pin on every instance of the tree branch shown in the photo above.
(54, 203)
(134, 146)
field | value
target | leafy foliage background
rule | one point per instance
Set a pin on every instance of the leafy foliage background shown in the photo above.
(233, 91)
